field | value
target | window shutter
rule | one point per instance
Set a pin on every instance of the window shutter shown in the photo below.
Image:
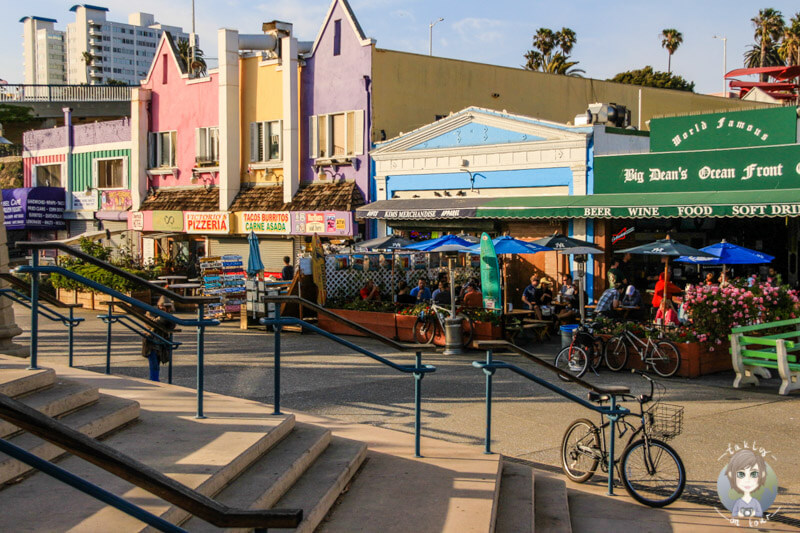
(358, 135)
(95, 176)
(280, 140)
(199, 151)
(151, 150)
(312, 137)
(253, 142)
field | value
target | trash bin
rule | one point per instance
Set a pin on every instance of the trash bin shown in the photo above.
(566, 334)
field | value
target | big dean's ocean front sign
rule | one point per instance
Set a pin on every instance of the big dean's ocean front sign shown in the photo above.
(772, 167)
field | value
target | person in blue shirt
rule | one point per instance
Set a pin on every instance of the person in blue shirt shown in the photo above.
(421, 292)
(441, 296)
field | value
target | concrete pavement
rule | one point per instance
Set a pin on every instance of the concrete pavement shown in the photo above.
(322, 378)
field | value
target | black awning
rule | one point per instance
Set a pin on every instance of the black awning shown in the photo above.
(421, 208)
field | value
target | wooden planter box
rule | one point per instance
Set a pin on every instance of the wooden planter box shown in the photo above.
(485, 331)
(381, 323)
(697, 359)
(405, 327)
(95, 300)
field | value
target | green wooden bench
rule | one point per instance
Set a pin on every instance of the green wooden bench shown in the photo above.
(777, 352)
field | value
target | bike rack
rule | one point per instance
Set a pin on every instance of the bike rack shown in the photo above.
(490, 366)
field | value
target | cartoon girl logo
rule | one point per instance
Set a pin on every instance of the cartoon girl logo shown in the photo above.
(747, 485)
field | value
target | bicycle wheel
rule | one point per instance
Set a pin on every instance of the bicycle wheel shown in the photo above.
(572, 359)
(580, 451)
(466, 331)
(424, 330)
(658, 484)
(598, 350)
(665, 358)
(616, 354)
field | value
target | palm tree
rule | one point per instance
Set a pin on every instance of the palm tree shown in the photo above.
(671, 39)
(752, 57)
(551, 52)
(789, 49)
(769, 27)
(89, 60)
(199, 66)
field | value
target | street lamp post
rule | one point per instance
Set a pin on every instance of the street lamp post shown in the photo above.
(724, 62)
(430, 35)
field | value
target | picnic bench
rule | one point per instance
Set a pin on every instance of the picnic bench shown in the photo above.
(779, 352)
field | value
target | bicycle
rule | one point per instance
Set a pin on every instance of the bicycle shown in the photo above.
(651, 471)
(584, 352)
(661, 355)
(431, 321)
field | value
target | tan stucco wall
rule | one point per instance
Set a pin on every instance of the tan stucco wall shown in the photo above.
(409, 90)
(261, 100)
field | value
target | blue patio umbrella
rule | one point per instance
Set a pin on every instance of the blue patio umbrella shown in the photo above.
(254, 263)
(451, 242)
(509, 245)
(726, 253)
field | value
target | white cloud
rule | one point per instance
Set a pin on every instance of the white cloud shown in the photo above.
(481, 29)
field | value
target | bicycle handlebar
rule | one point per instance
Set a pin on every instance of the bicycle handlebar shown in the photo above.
(645, 398)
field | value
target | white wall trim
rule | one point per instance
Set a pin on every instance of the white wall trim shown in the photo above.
(122, 145)
(46, 152)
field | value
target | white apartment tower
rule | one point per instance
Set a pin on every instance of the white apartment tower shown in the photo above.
(97, 50)
(44, 56)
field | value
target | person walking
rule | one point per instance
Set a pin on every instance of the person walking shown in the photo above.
(287, 273)
(156, 352)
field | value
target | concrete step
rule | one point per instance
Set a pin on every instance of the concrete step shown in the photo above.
(515, 512)
(16, 379)
(318, 488)
(268, 479)
(205, 455)
(95, 420)
(550, 504)
(62, 398)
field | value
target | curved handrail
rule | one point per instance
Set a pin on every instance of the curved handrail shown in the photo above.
(14, 280)
(494, 345)
(48, 245)
(403, 347)
(54, 316)
(140, 474)
(118, 295)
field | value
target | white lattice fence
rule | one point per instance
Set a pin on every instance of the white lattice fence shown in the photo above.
(344, 283)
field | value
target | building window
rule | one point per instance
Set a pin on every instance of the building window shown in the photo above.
(336, 135)
(161, 149)
(207, 145)
(48, 175)
(110, 173)
(337, 37)
(164, 68)
(265, 141)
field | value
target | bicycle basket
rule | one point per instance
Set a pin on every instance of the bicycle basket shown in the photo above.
(664, 421)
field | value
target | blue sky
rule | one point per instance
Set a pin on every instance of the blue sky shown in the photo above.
(613, 36)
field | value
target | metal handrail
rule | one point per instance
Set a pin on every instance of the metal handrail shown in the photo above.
(612, 411)
(418, 369)
(49, 245)
(17, 282)
(200, 323)
(400, 346)
(140, 474)
(69, 321)
(140, 329)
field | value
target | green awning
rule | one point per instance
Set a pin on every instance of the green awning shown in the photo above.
(743, 204)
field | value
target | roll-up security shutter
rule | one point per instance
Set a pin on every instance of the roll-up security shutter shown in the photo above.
(272, 250)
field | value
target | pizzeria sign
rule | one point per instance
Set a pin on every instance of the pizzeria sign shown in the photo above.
(206, 222)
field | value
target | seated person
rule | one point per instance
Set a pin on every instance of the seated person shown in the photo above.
(547, 291)
(370, 292)
(632, 298)
(441, 296)
(723, 280)
(402, 288)
(532, 296)
(473, 296)
(709, 278)
(658, 293)
(567, 292)
(609, 302)
(421, 293)
(666, 314)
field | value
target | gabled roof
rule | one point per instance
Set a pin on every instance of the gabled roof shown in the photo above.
(176, 55)
(504, 127)
(365, 41)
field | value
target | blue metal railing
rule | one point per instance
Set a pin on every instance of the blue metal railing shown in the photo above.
(418, 369)
(200, 323)
(88, 488)
(138, 328)
(69, 321)
(612, 411)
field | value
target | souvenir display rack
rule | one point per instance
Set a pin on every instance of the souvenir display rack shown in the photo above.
(223, 277)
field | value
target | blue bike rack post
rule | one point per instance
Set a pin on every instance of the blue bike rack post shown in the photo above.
(613, 419)
(417, 404)
(108, 337)
(169, 368)
(489, 371)
(200, 363)
(276, 409)
(71, 335)
(34, 310)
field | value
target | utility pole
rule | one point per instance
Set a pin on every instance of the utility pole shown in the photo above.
(724, 63)
(430, 34)
(192, 43)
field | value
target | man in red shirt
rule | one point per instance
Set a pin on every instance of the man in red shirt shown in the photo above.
(370, 292)
(473, 297)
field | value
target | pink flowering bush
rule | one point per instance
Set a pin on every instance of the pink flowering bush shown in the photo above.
(714, 310)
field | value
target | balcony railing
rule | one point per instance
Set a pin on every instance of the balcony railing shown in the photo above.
(65, 93)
